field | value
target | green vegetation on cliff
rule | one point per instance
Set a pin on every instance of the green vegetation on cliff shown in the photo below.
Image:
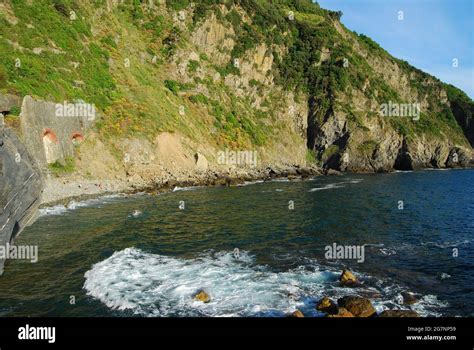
(147, 71)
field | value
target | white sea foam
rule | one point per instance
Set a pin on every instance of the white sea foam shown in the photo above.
(73, 205)
(155, 285)
(354, 181)
(447, 244)
(445, 275)
(189, 188)
(55, 210)
(327, 187)
(336, 185)
(248, 183)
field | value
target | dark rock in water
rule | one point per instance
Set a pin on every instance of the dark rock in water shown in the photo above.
(341, 313)
(399, 313)
(358, 306)
(202, 296)
(327, 305)
(21, 186)
(409, 298)
(296, 314)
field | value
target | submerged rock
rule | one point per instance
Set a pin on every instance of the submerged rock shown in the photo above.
(327, 305)
(409, 298)
(202, 296)
(358, 306)
(399, 313)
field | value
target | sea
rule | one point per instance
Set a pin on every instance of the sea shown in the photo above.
(258, 250)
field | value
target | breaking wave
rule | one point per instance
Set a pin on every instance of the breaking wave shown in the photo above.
(155, 285)
(73, 205)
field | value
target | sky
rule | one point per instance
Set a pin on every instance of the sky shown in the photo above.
(431, 35)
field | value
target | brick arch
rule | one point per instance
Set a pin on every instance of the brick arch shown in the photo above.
(77, 137)
(49, 135)
(51, 146)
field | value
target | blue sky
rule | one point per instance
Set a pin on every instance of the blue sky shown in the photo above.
(431, 34)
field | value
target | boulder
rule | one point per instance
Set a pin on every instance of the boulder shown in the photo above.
(273, 172)
(327, 305)
(399, 313)
(341, 313)
(291, 172)
(304, 172)
(202, 296)
(358, 306)
(332, 172)
(347, 278)
(297, 314)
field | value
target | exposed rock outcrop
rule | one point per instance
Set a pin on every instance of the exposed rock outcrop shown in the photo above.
(342, 313)
(358, 306)
(296, 314)
(347, 278)
(202, 296)
(328, 306)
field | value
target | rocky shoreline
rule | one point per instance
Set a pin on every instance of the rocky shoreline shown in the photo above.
(63, 190)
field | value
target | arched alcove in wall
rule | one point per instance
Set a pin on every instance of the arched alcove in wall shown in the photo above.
(50, 143)
(77, 138)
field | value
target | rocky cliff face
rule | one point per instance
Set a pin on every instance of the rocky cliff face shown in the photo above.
(20, 188)
(175, 79)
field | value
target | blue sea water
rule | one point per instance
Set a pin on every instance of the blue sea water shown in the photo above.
(110, 263)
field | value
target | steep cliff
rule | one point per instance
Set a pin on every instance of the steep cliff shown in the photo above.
(178, 81)
(20, 188)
